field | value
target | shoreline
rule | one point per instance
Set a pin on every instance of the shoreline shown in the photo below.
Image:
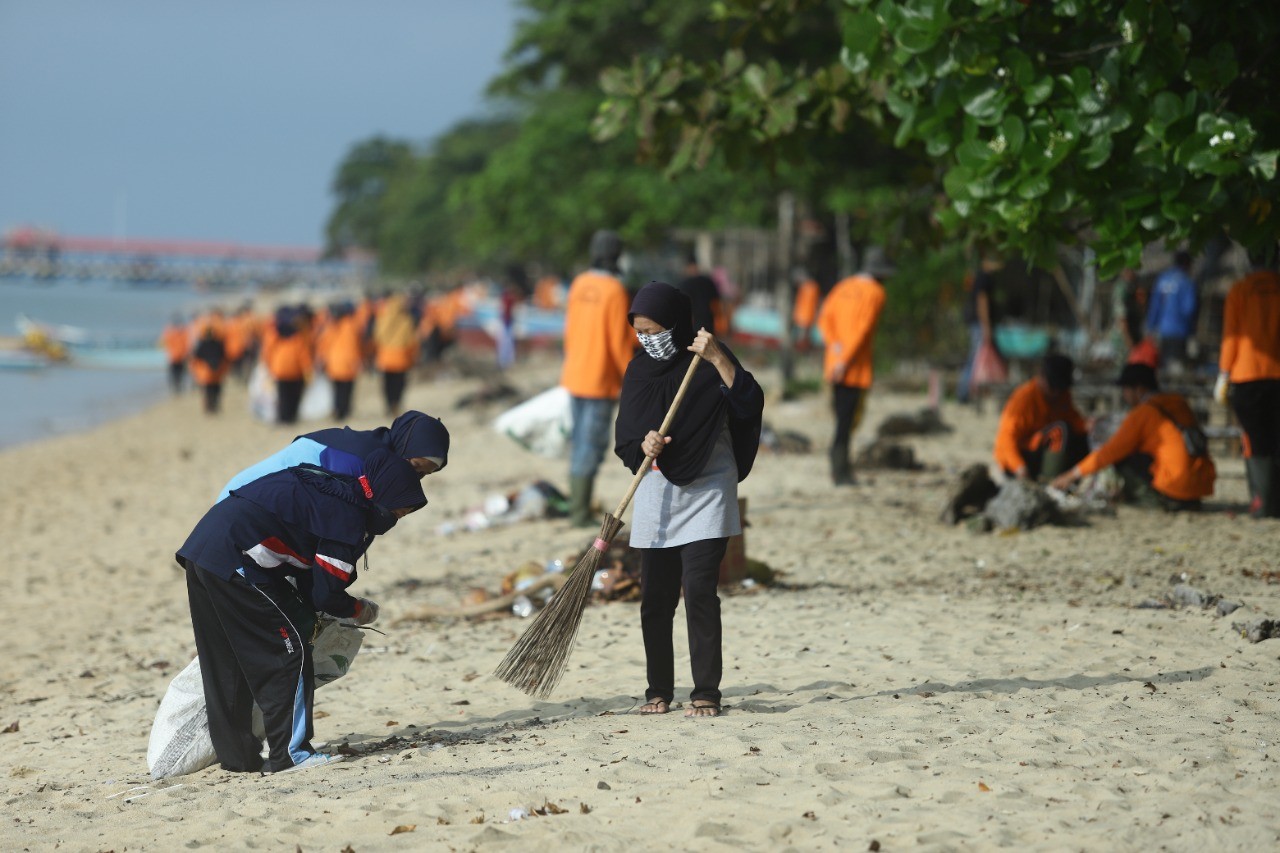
(905, 682)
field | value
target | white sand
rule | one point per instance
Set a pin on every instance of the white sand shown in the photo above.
(915, 684)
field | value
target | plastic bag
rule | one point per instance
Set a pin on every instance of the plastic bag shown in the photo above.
(317, 400)
(180, 743)
(262, 394)
(988, 367)
(540, 424)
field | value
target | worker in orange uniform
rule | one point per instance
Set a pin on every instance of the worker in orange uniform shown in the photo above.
(1159, 450)
(598, 345)
(804, 310)
(288, 357)
(241, 340)
(340, 350)
(1041, 432)
(176, 340)
(209, 365)
(395, 342)
(847, 322)
(1249, 365)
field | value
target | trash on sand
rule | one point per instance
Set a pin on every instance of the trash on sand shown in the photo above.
(539, 499)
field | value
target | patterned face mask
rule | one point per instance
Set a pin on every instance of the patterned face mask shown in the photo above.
(660, 346)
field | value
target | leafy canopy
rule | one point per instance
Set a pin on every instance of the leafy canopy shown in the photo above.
(1111, 122)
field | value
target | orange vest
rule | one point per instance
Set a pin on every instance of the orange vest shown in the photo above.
(806, 308)
(176, 343)
(598, 338)
(1251, 328)
(1174, 472)
(289, 358)
(1027, 412)
(341, 348)
(847, 322)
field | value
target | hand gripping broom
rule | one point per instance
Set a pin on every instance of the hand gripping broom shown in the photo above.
(538, 659)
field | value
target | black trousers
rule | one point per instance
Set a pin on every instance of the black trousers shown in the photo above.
(664, 572)
(254, 642)
(1056, 449)
(393, 383)
(342, 391)
(212, 397)
(1257, 407)
(847, 403)
(177, 373)
(288, 398)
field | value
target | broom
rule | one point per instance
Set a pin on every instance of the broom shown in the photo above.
(538, 659)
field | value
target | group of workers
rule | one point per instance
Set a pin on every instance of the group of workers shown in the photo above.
(282, 541)
(390, 335)
(1160, 449)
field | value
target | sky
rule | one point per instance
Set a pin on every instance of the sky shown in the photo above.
(222, 120)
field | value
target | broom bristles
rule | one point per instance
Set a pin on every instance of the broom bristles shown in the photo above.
(538, 659)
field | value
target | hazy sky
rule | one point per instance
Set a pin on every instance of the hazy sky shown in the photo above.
(222, 119)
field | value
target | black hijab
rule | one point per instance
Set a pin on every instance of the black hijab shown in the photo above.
(650, 385)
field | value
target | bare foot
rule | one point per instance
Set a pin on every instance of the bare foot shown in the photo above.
(655, 706)
(703, 708)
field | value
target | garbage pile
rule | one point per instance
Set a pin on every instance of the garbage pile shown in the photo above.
(1014, 504)
(539, 499)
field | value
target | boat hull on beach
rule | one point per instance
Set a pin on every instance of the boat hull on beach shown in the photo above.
(86, 348)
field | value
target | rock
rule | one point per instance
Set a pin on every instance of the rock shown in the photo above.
(1257, 630)
(785, 441)
(1226, 608)
(887, 454)
(1184, 595)
(971, 493)
(927, 421)
(1021, 505)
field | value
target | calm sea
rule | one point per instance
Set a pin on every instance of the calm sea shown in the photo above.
(58, 399)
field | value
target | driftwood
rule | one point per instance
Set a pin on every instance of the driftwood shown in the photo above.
(551, 580)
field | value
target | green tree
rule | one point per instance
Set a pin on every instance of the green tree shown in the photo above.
(1114, 123)
(361, 184)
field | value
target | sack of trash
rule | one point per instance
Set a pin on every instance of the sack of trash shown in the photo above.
(180, 742)
(540, 424)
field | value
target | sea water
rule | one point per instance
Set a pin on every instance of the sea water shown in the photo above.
(64, 398)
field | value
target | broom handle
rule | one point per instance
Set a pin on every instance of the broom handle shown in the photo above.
(662, 430)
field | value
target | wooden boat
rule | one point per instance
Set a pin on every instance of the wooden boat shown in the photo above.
(87, 348)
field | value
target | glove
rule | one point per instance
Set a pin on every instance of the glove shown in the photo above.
(1220, 389)
(366, 611)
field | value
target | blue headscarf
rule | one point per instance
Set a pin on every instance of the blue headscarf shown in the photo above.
(410, 436)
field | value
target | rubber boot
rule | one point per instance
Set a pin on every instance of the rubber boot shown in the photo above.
(580, 489)
(841, 470)
(1263, 487)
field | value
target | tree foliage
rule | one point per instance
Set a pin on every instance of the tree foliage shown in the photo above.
(360, 185)
(1111, 122)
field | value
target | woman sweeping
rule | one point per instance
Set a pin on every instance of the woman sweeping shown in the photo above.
(686, 508)
(259, 565)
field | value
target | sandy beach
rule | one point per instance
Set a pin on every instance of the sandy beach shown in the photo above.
(907, 685)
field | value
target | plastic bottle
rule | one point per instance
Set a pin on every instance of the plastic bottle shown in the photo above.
(523, 606)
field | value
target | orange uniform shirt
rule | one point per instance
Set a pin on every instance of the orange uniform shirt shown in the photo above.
(1251, 328)
(598, 339)
(847, 322)
(176, 343)
(1028, 411)
(805, 310)
(288, 358)
(341, 346)
(1174, 472)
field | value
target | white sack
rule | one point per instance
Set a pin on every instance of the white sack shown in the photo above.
(540, 424)
(180, 741)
